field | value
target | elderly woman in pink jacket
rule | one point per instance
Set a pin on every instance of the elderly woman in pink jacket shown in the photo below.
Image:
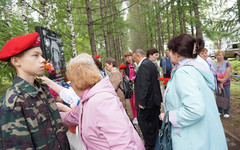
(102, 120)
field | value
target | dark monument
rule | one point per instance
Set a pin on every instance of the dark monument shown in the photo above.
(52, 47)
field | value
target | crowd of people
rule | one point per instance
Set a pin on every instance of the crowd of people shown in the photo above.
(94, 114)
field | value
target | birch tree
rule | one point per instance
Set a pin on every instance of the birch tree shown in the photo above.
(24, 16)
(7, 9)
(74, 50)
(45, 13)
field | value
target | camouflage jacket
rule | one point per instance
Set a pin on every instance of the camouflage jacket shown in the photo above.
(29, 119)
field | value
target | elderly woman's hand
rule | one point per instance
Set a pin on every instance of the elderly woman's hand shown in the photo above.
(62, 107)
(161, 117)
(45, 80)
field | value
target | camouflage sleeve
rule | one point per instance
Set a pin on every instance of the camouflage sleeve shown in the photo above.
(14, 131)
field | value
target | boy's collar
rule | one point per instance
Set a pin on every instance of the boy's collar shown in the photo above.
(27, 87)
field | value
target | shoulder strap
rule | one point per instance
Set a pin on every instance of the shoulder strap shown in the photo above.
(126, 70)
(122, 82)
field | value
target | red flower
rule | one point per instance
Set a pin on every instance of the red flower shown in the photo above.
(161, 78)
(165, 80)
(97, 56)
(122, 66)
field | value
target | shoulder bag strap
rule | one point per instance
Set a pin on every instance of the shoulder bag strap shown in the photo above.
(163, 123)
(224, 93)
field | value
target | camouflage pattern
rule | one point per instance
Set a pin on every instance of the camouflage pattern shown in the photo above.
(29, 119)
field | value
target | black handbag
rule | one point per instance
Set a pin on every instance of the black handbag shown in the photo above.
(223, 101)
(164, 139)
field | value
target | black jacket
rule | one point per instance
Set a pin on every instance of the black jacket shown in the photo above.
(147, 87)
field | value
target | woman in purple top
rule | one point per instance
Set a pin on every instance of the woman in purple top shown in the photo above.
(223, 70)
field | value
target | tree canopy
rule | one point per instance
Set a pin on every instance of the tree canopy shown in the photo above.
(102, 27)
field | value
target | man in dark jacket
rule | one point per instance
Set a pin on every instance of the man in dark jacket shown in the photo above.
(148, 98)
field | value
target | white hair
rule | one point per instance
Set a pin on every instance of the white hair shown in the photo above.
(84, 57)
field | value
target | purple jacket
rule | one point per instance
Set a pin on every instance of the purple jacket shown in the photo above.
(103, 122)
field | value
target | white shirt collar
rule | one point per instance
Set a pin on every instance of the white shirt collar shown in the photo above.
(141, 61)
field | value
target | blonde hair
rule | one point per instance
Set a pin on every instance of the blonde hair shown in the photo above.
(218, 52)
(127, 53)
(82, 72)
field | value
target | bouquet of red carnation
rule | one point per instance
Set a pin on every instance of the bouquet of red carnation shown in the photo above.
(122, 66)
(165, 80)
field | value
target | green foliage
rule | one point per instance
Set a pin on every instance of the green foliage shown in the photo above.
(4, 87)
(235, 67)
(235, 88)
(7, 73)
(235, 70)
(140, 30)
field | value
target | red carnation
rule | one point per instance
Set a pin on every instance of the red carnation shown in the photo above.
(161, 78)
(97, 56)
(122, 66)
(166, 79)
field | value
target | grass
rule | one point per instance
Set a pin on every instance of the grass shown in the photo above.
(235, 121)
(4, 87)
(235, 89)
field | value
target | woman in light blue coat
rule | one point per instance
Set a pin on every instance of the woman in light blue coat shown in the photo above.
(189, 98)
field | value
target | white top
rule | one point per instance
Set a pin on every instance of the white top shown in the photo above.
(202, 61)
(69, 96)
(141, 61)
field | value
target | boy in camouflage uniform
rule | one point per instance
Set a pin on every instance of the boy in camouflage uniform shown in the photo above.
(29, 118)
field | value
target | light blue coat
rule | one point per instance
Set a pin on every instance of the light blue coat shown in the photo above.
(189, 98)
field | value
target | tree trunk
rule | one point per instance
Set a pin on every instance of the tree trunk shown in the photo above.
(146, 28)
(121, 46)
(113, 31)
(70, 19)
(168, 23)
(162, 35)
(149, 24)
(24, 16)
(44, 12)
(110, 45)
(173, 18)
(183, 16)
(7, 17)
(191, 20)
(218, 44)
(238, 7)
(160, 40)
(104, 29)
(198, 22)
(180, 16)
(118, 50)
(90, 28)
(138, 37)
